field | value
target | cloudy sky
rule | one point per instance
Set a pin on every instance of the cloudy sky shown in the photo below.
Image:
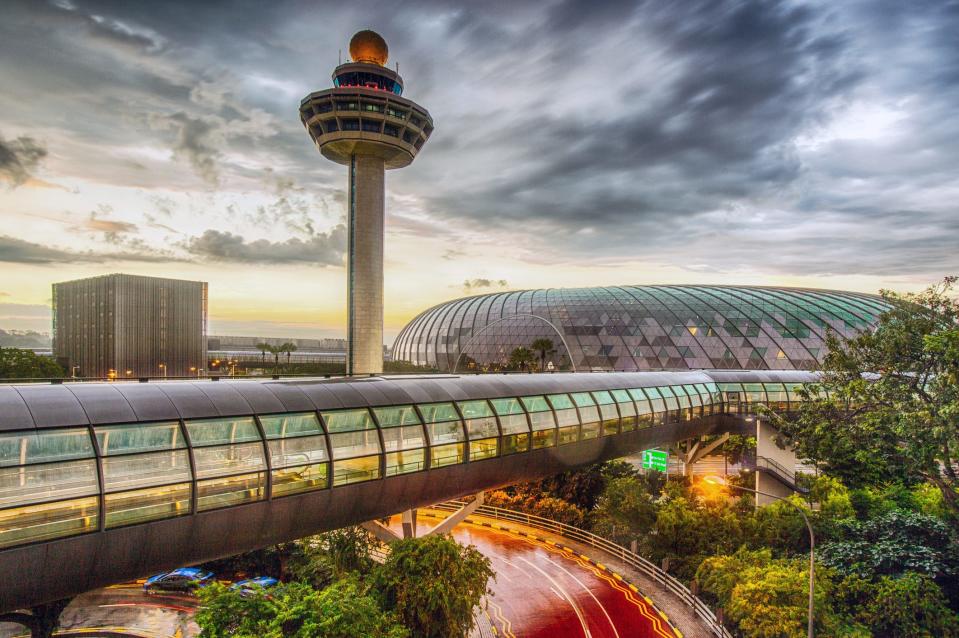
(576, 143)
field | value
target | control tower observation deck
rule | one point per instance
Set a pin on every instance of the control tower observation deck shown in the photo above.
(364, 123)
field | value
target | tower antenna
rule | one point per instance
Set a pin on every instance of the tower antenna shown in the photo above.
(340, 56)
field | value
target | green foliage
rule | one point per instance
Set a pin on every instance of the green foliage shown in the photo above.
(893, 544)
(542, 347)
(25, 364)
(767, 597)
(343, 610)
(521, 358)
(738, 447)
(433, 584)
(892, 412)
(273, 561)
(910, 606)
(542, 505)
(625, 511)
(332, 555)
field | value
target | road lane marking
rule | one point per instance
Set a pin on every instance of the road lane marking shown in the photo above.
(572, 603)
(581, 584)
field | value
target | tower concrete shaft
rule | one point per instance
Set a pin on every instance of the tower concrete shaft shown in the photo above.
(365, 124)
(364, 350)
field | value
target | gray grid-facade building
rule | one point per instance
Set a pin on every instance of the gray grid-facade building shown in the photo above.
(639, 327)
(130, 326)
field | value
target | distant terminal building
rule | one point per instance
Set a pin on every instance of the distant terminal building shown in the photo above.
(130, 326)
(247, 350)
(638, 328)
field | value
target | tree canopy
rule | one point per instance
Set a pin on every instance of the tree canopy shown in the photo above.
(16, 363)
(433, 583)
(887, 407)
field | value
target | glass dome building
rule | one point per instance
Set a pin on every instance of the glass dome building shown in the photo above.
(638, 328)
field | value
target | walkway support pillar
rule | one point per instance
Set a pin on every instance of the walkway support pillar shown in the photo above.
(698, 451)
(409, 524)
(447, 524)
(380, 531)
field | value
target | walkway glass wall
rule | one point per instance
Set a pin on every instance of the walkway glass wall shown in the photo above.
(65, 481)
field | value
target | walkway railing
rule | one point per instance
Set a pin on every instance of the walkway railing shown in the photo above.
(780, 472)
(626, 556)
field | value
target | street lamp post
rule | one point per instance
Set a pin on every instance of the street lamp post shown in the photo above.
(812, 544)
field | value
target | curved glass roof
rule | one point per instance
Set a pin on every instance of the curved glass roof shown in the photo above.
(639, 327)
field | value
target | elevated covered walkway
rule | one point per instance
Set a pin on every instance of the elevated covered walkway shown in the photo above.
(103, 482)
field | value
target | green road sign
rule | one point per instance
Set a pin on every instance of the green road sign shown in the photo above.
(655, 460)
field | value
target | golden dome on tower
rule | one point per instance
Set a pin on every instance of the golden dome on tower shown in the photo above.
(369, 46)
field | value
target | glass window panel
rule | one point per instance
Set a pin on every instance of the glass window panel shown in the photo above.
(482, 428)
(47, 482)
(603, 397)
(405, 462)
(151, 504)
(138, 437)
(297, 479)
(678, 390)
(397, 416)
(514, 424)
(666, 391)
(228, 459)
(21, 448)
(50, 520)
(513, 443)
(568, 435)
(474, 409)
(219, 431)
(542, 421)
(447, 432)
(504, 407)
(350, 444)
(302, 450)
(142, 470)
(279, 426)
(483, 449)
(544, 438)
(560, 401)
(536, 404)
(348, 421)
(641, 393)
(403, 438)
(582, 399)
(232, 490)
(438, 412)
(443, 455)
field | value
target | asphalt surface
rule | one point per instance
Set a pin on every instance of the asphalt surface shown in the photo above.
(124, 610)
(541, 591)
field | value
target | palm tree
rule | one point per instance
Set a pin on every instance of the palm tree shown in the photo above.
(520, 358)
(289, 348)
(543, 346)
(263, 347)
(276, 351)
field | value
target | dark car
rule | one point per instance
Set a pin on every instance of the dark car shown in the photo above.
(185, 579)
(252, 585)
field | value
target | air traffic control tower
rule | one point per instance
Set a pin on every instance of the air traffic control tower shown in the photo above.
(364, 123)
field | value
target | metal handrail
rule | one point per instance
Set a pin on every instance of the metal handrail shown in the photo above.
(626, 556)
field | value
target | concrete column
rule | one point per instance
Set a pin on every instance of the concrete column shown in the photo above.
(765, 447)
(364, 350)
(408, 519)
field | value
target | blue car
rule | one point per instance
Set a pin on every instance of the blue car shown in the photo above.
(185, 579)
(249, 587)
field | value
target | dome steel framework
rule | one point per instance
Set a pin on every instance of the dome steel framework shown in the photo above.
(639, 327)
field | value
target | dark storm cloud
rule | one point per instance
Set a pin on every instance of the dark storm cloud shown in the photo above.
(479, 283)
(319, 250)
(18, 251)
(18, 158)
(700, 133)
